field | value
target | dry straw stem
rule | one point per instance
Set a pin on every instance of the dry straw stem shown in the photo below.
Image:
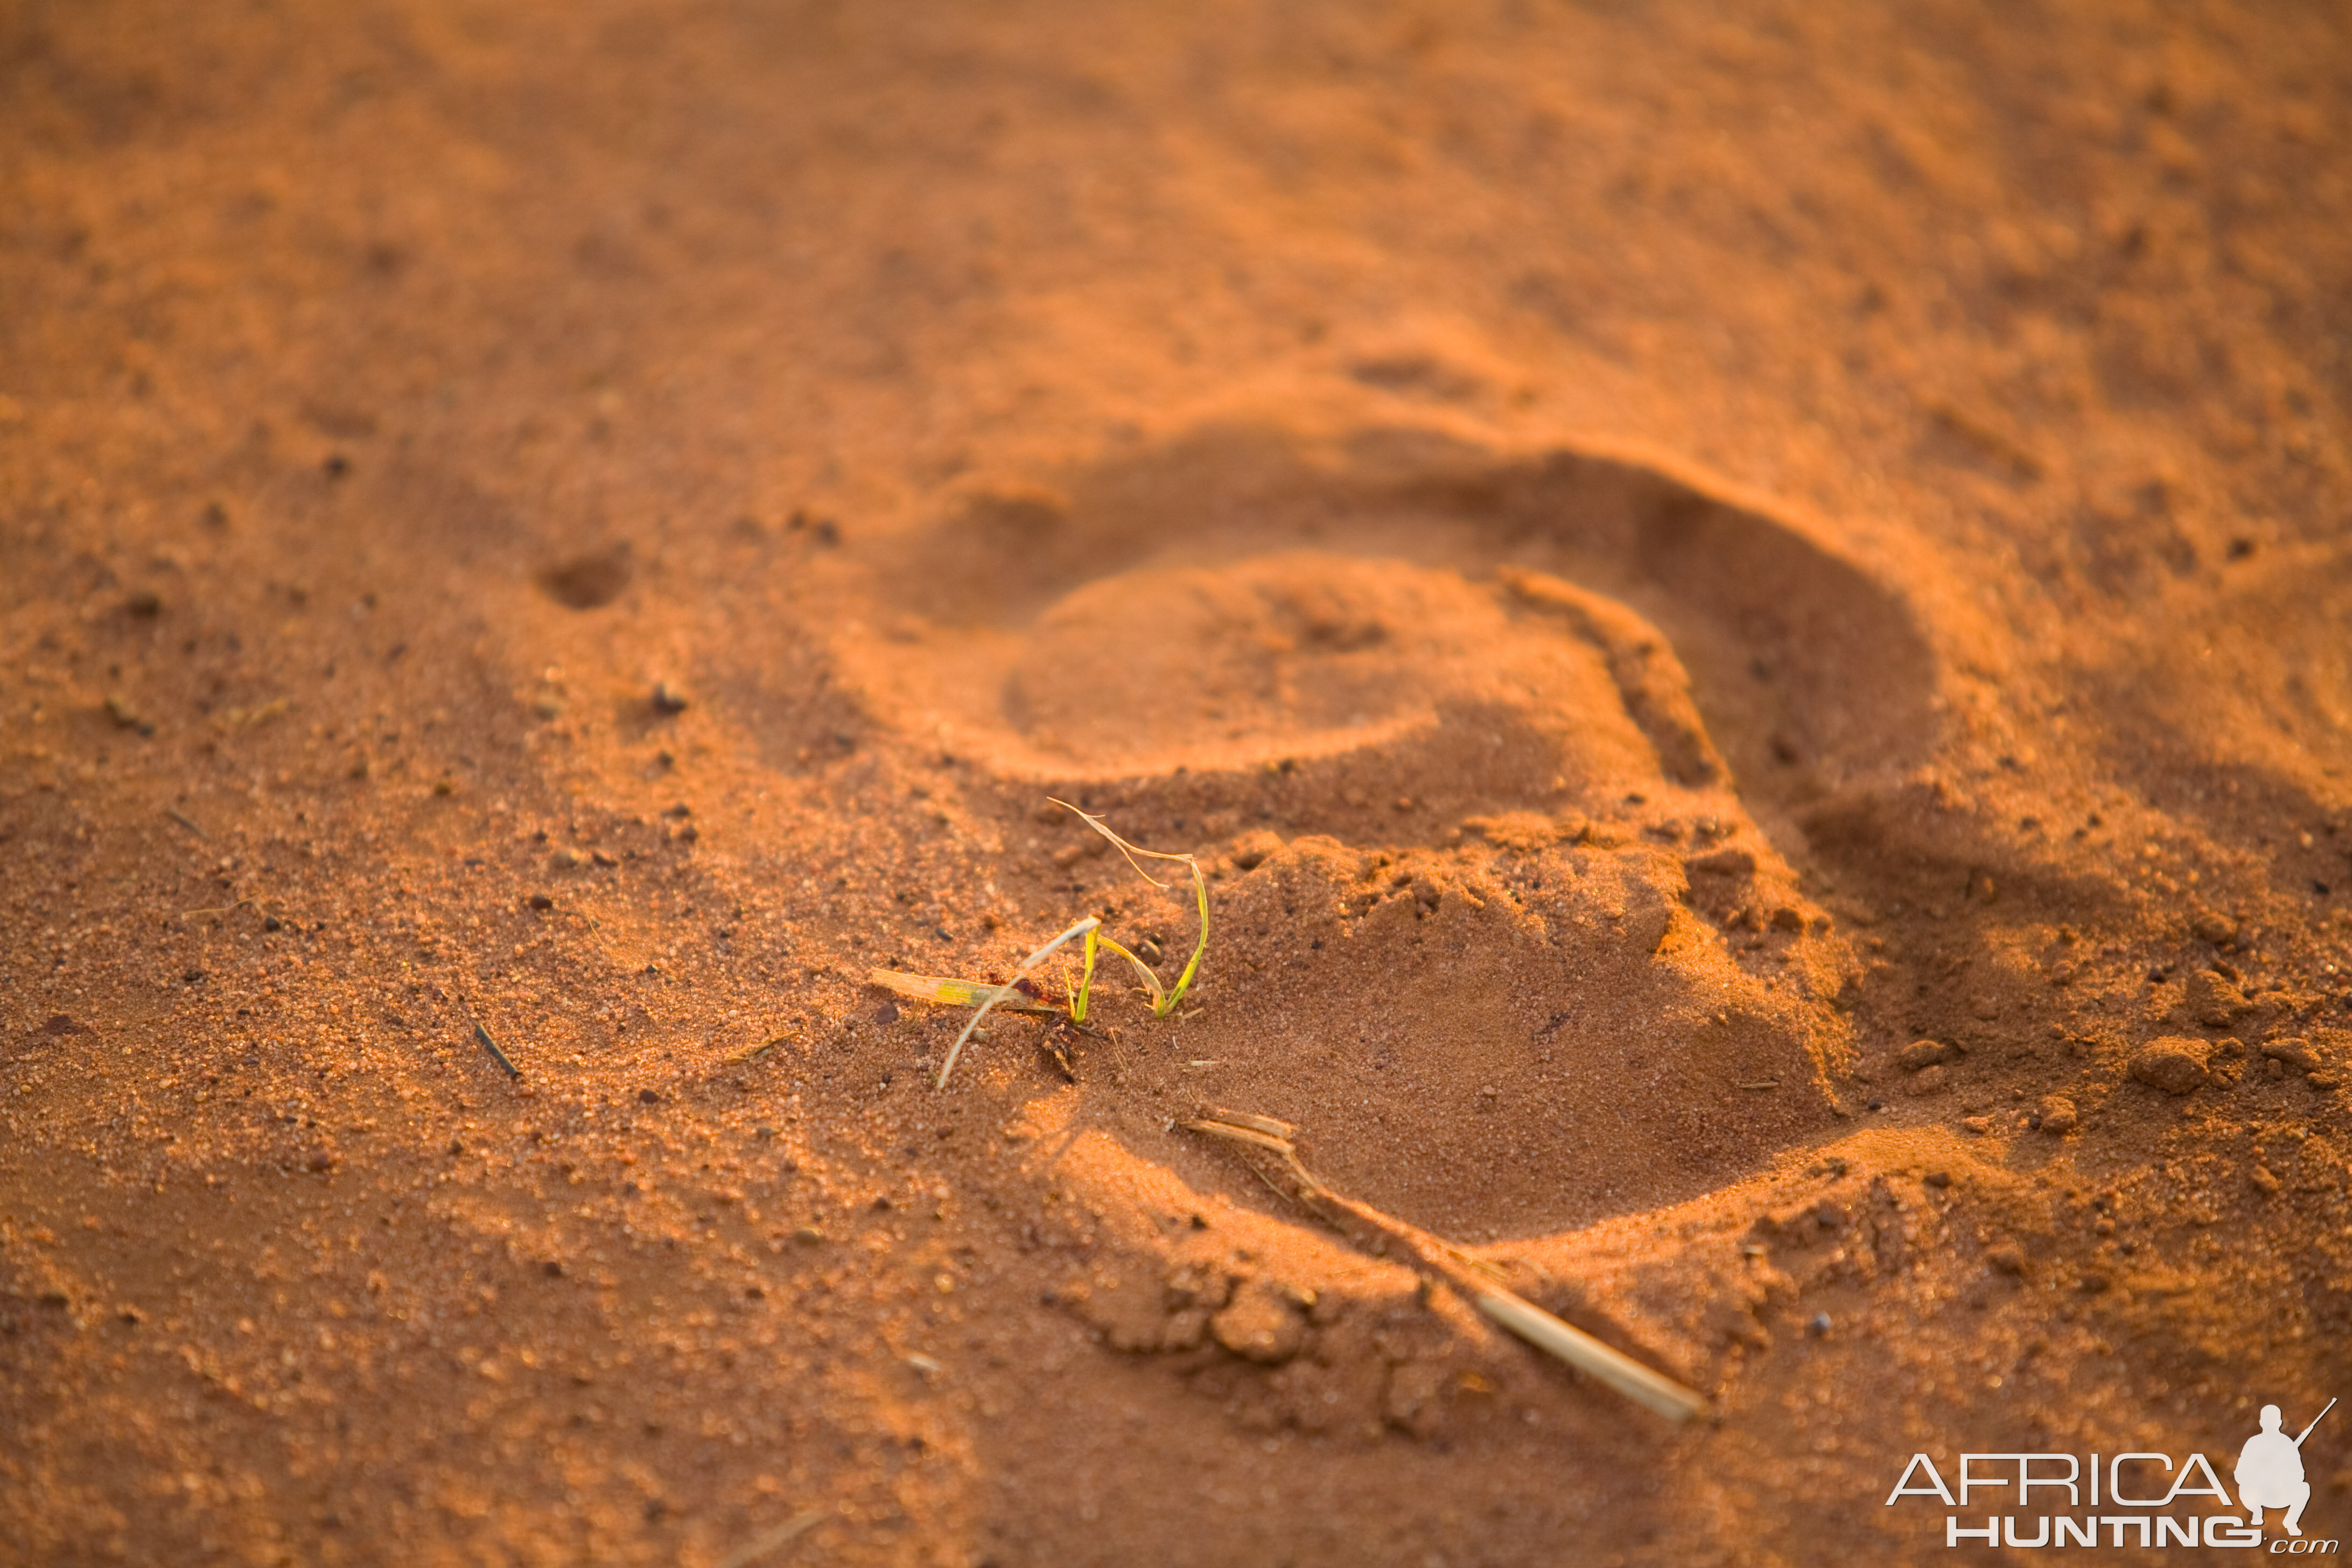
(951, 991)
(222, 909)
(1473, 1278)
(497, 1055)
(758, 1546)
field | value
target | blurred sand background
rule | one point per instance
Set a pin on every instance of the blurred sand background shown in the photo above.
(1745, 606)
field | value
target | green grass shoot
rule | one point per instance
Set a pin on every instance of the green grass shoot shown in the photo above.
(1085, 987)
(1163, 999)
(1022, 994)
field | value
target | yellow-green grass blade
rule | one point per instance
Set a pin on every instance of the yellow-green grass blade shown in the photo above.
(1085, 988)
(1151, 981)
(1184, 980)
(952, 992)
(1163, 1001)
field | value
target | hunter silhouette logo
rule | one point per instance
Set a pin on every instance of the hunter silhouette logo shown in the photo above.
(2270, 1471)
(2139, 1498)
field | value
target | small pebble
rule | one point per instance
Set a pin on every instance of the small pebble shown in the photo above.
(541, 901)
(2294, 1051)
(126, 717)
(647, 1097)
(589, 582)
(2217, 929)
(2059, 1116)
(2175, 1064)
(1259, 1325)
(1921, 1055)
(1818, 1325)
(2212, 999)
(668, 699)
(2007, 1256)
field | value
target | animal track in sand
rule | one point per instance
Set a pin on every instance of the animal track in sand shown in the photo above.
(1244, 595)
(1518, 950)
(1303, 655)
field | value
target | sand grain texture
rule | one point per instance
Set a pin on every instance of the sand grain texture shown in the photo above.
(1662, 557)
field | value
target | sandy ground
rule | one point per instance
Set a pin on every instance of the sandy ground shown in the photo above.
(1745, 608)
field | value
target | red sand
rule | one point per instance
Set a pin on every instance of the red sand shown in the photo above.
(1661, 559)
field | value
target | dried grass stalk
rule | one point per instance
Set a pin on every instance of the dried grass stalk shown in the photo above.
(1475, 1278)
